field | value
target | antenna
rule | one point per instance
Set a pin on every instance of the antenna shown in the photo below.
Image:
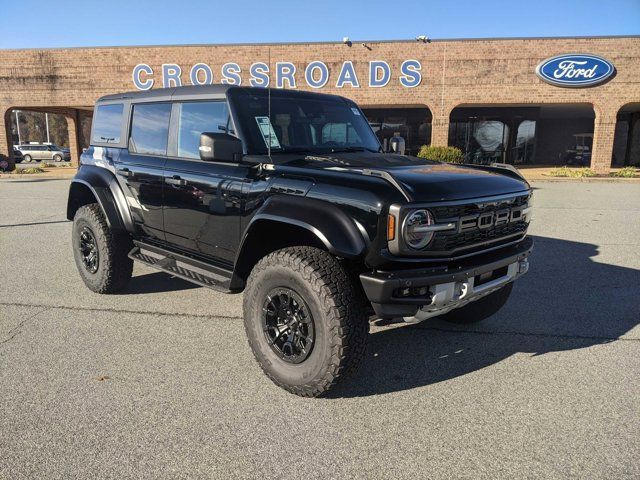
(269, 104)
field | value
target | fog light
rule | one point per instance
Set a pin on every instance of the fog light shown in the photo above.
(405, 292)
(523, 266)
(420, 291)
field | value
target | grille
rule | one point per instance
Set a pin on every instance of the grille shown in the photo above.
(448, 242)
(453, 211)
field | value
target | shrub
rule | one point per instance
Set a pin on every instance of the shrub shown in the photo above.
(626, 172)
(48, 165)
(28, 171)
(560, 172)
(582, 172)
(441, 154)
(572, 172)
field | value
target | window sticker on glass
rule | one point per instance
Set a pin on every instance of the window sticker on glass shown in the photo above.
(268, 133)
(355, 111)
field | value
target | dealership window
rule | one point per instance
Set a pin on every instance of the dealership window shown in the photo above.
(107, 123)
(150, 128)
(481, 141)
(546, 134)
(525, 142)
(196, 118)
(626, 144)
(413, 124)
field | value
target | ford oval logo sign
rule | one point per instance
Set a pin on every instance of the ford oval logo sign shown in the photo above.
(575, 70)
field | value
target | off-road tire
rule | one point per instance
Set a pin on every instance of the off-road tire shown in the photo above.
(480, 309)
(341, 324)
(114, 267)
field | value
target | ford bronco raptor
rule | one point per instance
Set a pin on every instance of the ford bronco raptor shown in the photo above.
(287, 196)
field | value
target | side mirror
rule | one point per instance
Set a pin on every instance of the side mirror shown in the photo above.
(220, 147)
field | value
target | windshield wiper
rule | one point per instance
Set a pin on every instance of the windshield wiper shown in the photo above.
(352, 149)
(321, 150)
(294, 150)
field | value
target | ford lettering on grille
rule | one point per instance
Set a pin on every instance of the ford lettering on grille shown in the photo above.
(487, 220)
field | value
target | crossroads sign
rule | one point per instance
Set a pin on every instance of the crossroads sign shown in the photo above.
(316, 74)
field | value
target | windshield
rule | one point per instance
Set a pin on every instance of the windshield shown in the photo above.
(303, 124)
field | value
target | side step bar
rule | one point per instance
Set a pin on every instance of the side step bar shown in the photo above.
(182, 266)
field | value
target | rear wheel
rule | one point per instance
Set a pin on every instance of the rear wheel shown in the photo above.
(304, 320)
(480, 309)
(26, 158)
(101, 255)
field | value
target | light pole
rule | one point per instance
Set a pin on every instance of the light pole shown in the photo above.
(18, 127)
(46, 120)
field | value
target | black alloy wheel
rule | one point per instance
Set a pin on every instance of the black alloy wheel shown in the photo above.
(288, 325)
(305, 319)
(101, 254)
(89, 250)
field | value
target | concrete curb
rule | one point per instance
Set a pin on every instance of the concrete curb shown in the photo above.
(34, 176)
(63, 173)
(584, 180)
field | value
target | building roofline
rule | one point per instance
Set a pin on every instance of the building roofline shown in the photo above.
(267, 44)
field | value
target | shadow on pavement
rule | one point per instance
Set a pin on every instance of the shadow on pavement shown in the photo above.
(566, 301)
(156, 282)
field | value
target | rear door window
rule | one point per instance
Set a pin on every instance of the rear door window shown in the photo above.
(150, 128)
(107, 123)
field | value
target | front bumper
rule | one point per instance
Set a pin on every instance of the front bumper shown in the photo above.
(418, 294)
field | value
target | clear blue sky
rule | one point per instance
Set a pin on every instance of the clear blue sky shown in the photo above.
(72, 23)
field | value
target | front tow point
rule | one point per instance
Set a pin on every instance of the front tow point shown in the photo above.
(461, 290)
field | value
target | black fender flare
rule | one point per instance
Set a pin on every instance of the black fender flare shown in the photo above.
(105, 188)
(331, 225)
(326, 224)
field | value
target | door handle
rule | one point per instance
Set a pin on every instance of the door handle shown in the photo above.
(125, 172)
(175, 180)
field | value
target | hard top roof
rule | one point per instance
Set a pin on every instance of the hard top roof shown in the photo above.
(203, 92)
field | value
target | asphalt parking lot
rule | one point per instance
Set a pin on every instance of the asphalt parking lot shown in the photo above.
(159, 382)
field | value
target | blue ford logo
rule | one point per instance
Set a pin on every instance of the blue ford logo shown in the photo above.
(575, 70)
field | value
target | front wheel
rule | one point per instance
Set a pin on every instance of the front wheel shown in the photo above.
(304, 320)
(101, 255)
(26, 158)
(57, 158)
(480, 309)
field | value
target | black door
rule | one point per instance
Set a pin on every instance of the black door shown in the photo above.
(202, 200)
(140, 168)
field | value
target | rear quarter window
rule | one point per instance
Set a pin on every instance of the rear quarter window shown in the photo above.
(107, 123)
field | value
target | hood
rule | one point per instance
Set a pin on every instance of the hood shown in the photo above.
(424, 180)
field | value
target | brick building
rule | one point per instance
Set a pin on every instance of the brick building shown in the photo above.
(483, 95)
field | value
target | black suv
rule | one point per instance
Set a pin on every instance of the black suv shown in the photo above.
(287, 196)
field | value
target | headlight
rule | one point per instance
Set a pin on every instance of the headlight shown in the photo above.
(414, 230)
